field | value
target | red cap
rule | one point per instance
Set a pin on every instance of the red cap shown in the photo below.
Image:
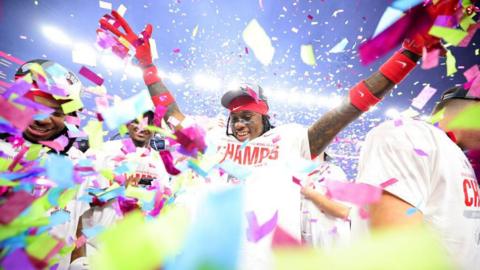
(246, 103)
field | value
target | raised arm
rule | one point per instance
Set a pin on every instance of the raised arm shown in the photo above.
(370, 91)
(160, 94)
(362, 96)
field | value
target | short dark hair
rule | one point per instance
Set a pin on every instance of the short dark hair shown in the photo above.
(149, 115)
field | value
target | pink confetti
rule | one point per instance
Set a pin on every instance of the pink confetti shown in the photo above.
(72, 120)
(296, 181)
(398, 122)
(389, 182)
(18, 259)
(160, 112)
(80, 134)
(281, 238)
(253, 94)
(18, 118)
(80, 241)
(430, 59)
(414, 21)
(420, 152)
(90, 75)
(310, 17)
(475, 88)
(255, 232)
(53, 145)
(363, 213)
(471, 32)
(168, 162)
(471, 73)
(446, 21)
(276, 139)
(423, 97)
(356, 193)
(14, 205)
(128, 146)
(176, 50)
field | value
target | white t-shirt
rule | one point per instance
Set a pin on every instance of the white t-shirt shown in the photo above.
(271, 159)
(145, 161)
(434, 176)
(320, 229)
(147, 164)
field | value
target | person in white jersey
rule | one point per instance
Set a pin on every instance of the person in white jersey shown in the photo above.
(148, 167)
(325, 222)
(436, 183)
(252, 143)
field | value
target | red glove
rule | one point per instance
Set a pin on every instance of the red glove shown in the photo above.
(420, 38)
(142, 45)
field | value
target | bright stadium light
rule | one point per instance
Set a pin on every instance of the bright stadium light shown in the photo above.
(112, 62)
(56, 35)
(175, 78)
(392, 113)
(207, 82)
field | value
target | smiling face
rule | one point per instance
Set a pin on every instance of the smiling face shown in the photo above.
(139, 135)
(48, 128)
(246, 125)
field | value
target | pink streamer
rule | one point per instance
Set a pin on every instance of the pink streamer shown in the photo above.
(281, 238)
(92, 76)
(389, 182)
(14, 205)
(420, 152)
(357, 193)
(168, 162)
(255, 232)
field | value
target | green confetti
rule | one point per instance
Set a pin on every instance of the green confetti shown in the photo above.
(33, 152)
(467, 21)
(123, 130)
(95, 134)
(66, 197)
(307, 55)
(386, 250)
(452, 36)
(451, 64)
(107, 173)
(8, 183)
(136, 243)
(437, 117)
(139, 193)
(72, 106)
(467, 119)
(40, 245)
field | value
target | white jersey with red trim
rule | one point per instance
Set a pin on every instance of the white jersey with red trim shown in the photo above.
(434, 176)
(318, 228)
(271, 160)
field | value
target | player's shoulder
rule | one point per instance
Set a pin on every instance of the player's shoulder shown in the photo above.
(399, 128)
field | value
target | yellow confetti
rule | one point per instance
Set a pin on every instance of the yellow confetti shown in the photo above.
(195, 30)
(387, 250)
(452, 36)
(451, 64)
(307, 55)
(467, 119)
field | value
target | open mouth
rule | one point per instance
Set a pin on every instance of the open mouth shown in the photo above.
(242, 135)
(38, 131)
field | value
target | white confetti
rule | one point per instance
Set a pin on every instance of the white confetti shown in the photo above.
(257, 39)
(105, 5)
(121, 10)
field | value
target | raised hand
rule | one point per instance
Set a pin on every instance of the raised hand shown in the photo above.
(421, 39)
(141, 43)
